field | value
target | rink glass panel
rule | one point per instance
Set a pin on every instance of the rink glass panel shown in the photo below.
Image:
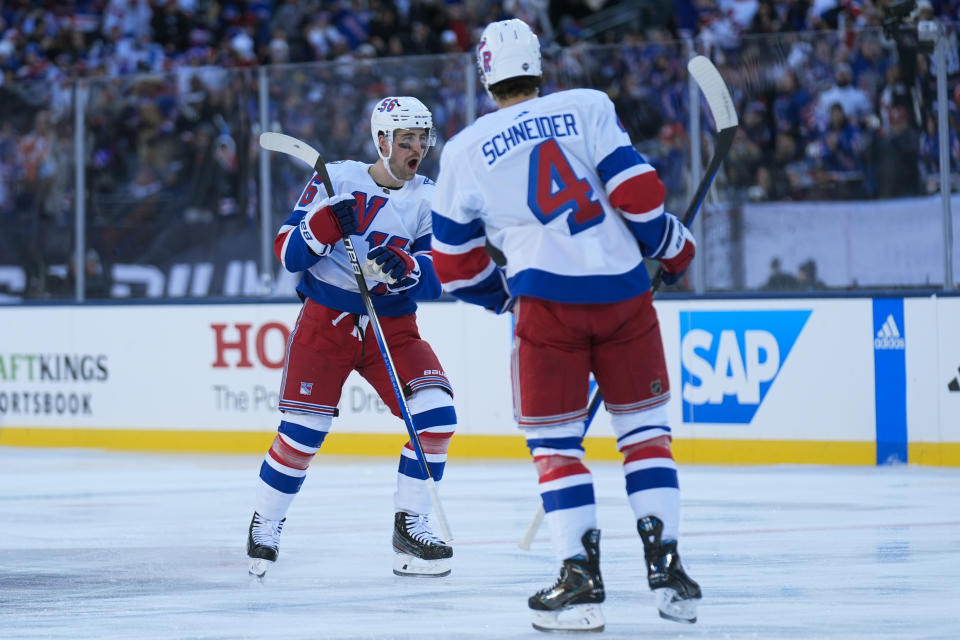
(172, 165)
(37, 169)
(809, 200)
(173, 199)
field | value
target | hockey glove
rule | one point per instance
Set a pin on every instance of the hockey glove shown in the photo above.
(676, 250)
(332, 219)
(393, 266)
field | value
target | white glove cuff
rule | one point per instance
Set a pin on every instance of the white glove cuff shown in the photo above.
(315, 245)
(675, 235)
(681, 237)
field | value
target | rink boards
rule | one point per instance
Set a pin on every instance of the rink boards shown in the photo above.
(835, 381)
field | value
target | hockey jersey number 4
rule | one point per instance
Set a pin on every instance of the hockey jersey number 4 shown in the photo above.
(574, 210)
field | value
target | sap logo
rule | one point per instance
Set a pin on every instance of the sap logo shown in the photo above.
(889, 336)
(730, 359)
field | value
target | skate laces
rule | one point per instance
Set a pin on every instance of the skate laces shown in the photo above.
(266, 532)
(418, 528)
(564, 577)
(559, 583)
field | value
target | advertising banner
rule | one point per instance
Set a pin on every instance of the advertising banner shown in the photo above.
(849, 381)
(769, 369)
(212, 367)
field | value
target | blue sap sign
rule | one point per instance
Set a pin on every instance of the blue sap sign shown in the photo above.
(729, 360)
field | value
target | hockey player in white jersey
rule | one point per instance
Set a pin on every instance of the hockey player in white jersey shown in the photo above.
(555, 184)
(385, 208)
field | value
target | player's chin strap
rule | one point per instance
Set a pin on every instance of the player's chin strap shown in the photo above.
(388, 136)
(311, 157)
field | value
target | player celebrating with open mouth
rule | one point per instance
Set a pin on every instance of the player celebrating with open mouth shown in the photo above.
(385, 210)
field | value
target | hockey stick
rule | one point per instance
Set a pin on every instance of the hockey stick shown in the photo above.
(725, 118)
(298, 149)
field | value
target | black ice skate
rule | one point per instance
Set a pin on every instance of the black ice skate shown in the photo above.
(573, 603)
(417, 550)
(677, 594)
(263, 543)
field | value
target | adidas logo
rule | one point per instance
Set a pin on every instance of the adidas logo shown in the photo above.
(889, 336)
(954, 385)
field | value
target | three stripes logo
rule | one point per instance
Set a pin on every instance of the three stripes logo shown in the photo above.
(889, 336)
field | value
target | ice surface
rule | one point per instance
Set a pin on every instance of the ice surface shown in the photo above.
(118, 545)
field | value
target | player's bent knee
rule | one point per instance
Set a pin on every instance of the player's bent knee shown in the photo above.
(554, 466)
(286, 453)
(434, 417)
(427, 398)
(431, 408)
(305, 430)
(656, 447)
(435, 442)
(555, 440)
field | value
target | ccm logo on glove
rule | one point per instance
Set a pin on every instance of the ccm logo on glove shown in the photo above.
(332, 219)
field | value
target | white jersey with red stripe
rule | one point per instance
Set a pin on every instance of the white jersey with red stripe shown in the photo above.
(397, 217)
(556, 185)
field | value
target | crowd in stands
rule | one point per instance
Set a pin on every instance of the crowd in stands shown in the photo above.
(831, 107)
(848, 116)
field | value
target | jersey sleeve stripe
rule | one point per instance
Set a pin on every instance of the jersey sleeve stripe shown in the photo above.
(640, 195)
(459, 249)
(282, 248)
(449, 232)
(487, 289)
(421, 245)
(630, 172)
(618, 160)
(640, 218)
(458, 271)
(294, 253)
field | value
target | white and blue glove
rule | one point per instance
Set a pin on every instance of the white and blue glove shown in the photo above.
(676, 250)
(393, 266)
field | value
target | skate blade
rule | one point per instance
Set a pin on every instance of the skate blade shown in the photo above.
(578, 617)
(407, 565)
(673, 608)
(258, 567)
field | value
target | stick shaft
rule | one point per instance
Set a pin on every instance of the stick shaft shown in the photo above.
(278, 142)
(724, 141)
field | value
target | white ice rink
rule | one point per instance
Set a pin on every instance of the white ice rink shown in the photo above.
(132, 546)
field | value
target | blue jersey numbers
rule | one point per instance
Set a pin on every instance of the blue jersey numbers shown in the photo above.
(554, 190)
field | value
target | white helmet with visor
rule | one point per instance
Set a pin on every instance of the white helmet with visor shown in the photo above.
(400, 112)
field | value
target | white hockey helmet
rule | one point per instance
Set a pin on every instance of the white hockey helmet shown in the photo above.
(400, 112)
(508, 49)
